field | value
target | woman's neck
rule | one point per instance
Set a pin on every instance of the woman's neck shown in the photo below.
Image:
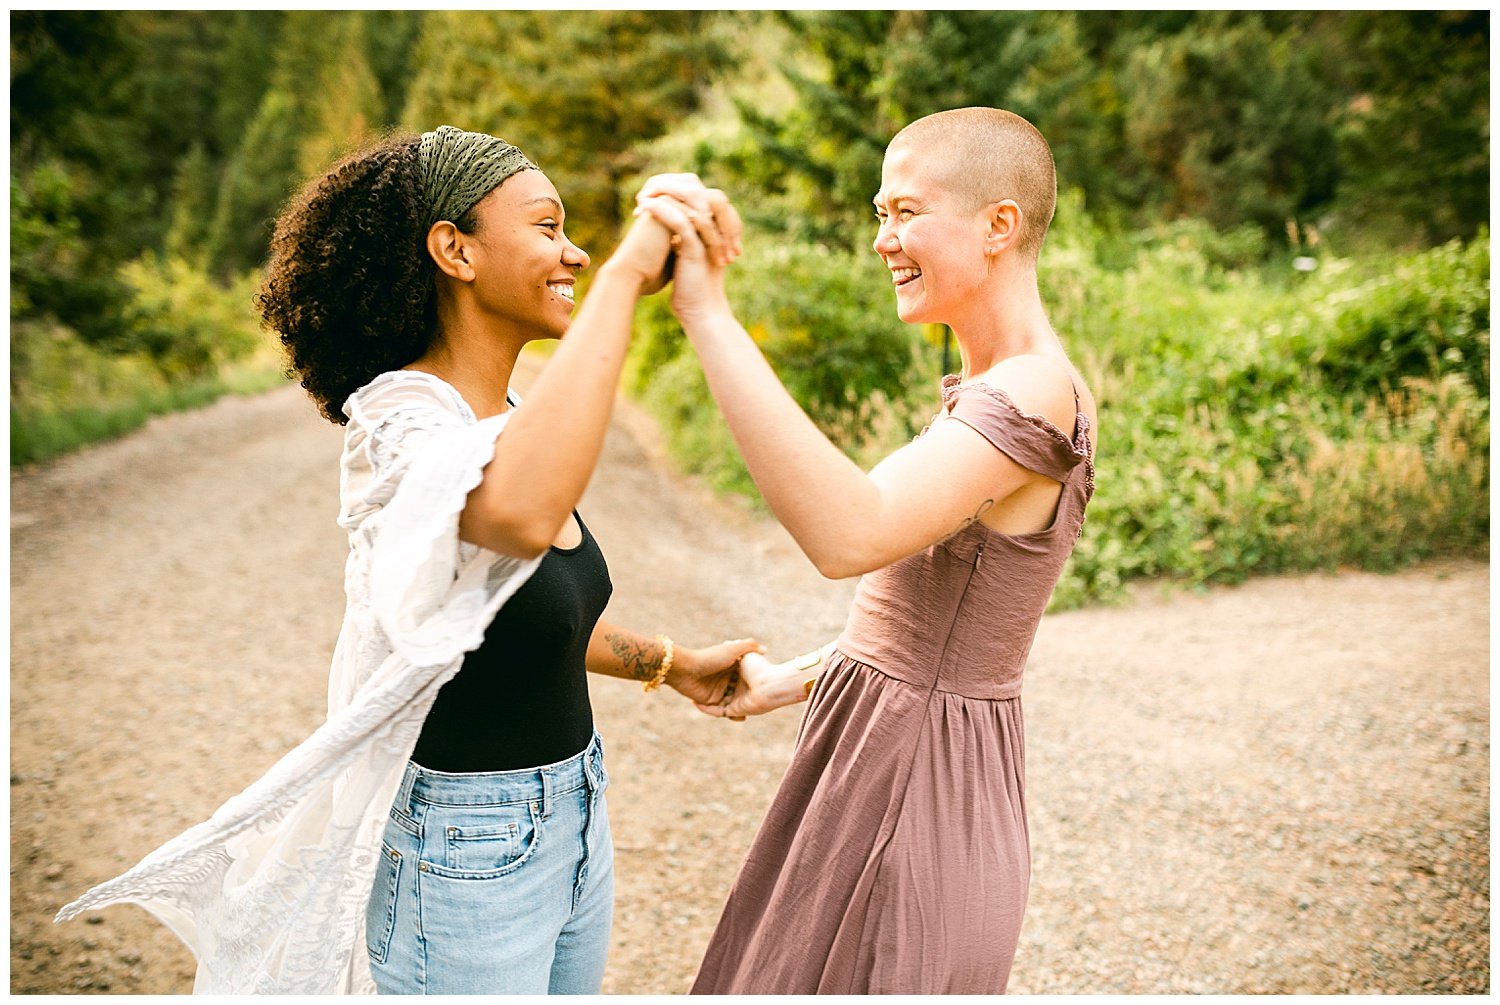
(478, 368)
(1010, 322)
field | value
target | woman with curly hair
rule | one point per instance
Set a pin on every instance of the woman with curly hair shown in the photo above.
(445, 830)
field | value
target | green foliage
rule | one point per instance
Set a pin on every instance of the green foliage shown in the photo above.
(254, 184)
(673, 389)
(321, 99)
(1414, 136)
(66, 393)
(183, 321)
(1355, 121)
(45, 236)
(184, 340)
(842, 382)
(579, 91)
(820, 161)
(391, 37)
(1229, 122)
(1257, 423)
(1413, 316)
(192, 205)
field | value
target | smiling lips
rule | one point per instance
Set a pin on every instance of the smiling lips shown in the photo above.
(564, 290)
(903, 276)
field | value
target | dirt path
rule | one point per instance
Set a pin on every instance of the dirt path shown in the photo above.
(1278, 788)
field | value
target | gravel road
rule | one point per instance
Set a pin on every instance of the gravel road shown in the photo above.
(1281, 787)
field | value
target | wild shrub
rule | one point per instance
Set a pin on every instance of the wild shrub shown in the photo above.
(1252, 419)
(184, 340)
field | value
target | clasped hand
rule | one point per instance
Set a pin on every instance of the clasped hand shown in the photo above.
(762, 686)
(734, 679)
(685, 232)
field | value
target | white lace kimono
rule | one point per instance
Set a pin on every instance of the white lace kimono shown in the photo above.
(270, 892)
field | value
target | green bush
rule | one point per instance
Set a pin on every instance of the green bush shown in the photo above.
(185, 322)
(186, 340)
(1252, 419)
(1419, 315)
(1255, 424)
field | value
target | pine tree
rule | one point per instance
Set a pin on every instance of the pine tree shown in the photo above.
(578, 91)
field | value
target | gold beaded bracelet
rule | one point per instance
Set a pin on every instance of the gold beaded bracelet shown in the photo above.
(665, 667)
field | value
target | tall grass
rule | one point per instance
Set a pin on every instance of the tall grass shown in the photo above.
(183, 341)
(75, 395)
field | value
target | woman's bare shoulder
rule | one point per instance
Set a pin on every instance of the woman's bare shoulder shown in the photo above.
(1045, 385)
(1037, 385)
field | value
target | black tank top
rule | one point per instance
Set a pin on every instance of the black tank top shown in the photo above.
(521, 699)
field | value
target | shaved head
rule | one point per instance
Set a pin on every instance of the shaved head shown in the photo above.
(986, 155)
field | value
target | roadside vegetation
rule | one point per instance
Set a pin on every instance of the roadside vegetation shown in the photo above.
(1270, 258)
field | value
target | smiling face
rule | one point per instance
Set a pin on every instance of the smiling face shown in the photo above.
(524, 263)
(931, 237)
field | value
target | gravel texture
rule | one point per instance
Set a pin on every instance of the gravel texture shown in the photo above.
(1281, 787)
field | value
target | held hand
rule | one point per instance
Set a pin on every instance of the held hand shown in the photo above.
(705, 231)
(763, 687)
(644, 253)
(705, 676)
(713, 218)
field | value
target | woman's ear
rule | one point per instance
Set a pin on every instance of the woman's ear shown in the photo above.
(446, 245)
(1004, 233)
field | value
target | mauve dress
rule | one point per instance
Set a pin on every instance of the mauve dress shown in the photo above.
(894, 857)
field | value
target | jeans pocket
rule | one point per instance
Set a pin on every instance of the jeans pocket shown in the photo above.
(380, 913)
(491, 842)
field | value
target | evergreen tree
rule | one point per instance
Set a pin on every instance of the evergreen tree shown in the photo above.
(819, 162)
(390, 43)
(1414, 135)
(322, 99)
(1233, 122)
(120, 108)
(75, 165)
(872, 72)
(578, 91)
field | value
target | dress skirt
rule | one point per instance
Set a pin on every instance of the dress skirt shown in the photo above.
(894, 858)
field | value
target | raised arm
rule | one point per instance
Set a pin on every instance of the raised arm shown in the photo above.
(847, 522)
(551, 446)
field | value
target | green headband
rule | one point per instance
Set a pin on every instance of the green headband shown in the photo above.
(458, 168)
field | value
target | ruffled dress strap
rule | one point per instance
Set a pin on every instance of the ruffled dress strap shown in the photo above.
(1032, 441)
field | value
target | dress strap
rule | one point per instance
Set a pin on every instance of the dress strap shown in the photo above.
(1032, 441)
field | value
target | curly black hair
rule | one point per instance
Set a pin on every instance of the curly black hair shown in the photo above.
(350, 288)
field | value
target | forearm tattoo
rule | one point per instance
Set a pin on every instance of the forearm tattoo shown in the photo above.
(640, 657)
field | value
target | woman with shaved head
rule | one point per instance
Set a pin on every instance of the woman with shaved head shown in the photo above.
(894, 858)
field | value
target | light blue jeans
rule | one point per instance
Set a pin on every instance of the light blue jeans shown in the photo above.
(495, 883)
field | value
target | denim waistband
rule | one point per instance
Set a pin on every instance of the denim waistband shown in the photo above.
(500, 788)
